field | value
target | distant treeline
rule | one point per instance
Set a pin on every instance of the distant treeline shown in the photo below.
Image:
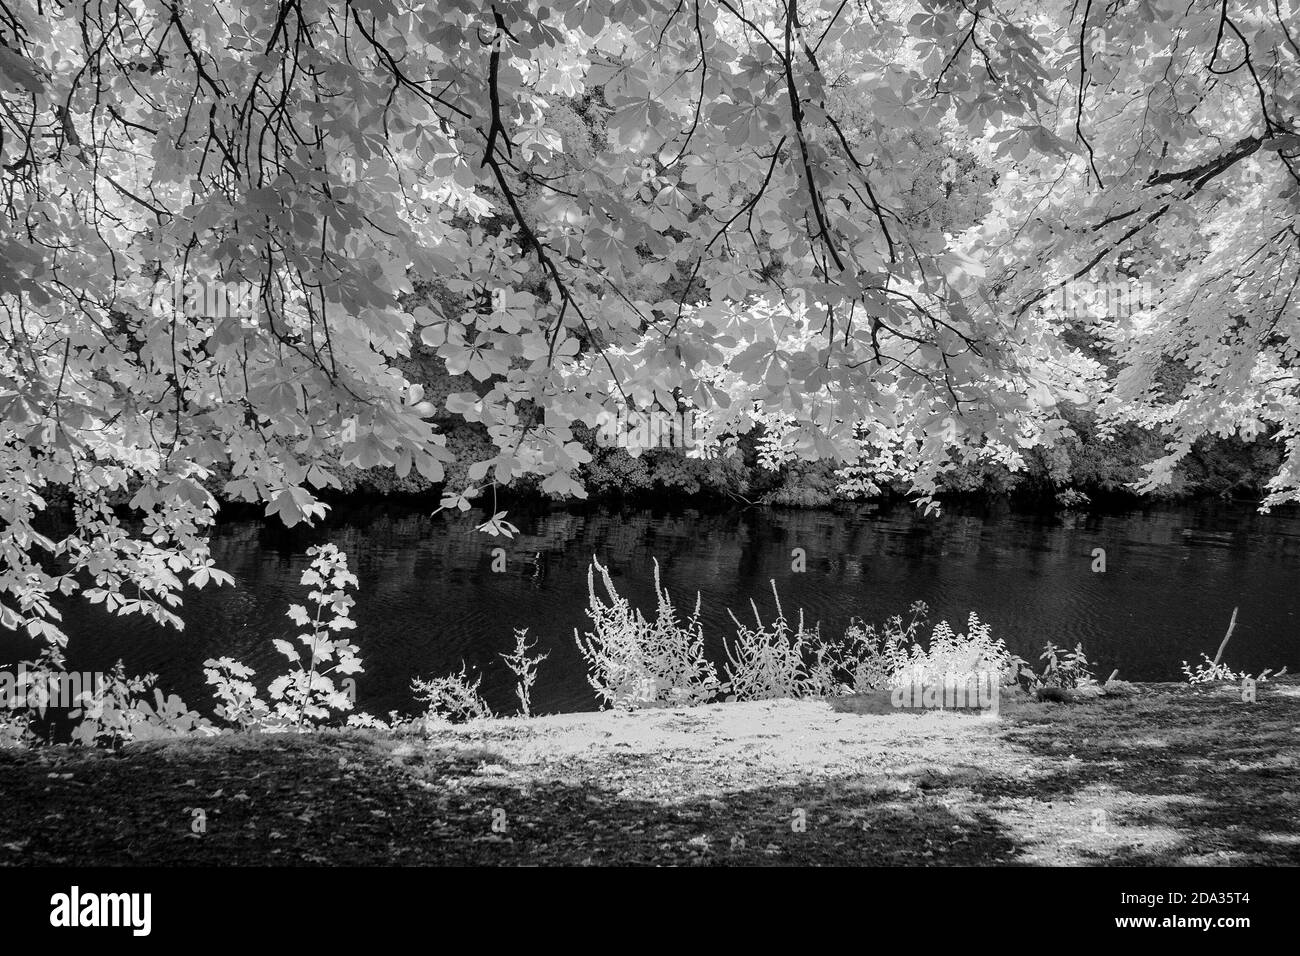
(1074, 472)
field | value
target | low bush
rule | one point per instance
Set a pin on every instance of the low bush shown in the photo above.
(453, 698)
(634, 662)
(768, 661)
(307, 694)
(1065, 669)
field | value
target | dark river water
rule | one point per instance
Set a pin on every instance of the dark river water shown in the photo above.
(429, 598)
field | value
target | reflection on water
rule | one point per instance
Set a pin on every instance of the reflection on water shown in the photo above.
(429, 598)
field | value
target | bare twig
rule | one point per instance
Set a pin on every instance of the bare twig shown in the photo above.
(1231, 625)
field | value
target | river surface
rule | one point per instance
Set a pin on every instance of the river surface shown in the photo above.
(429, 598)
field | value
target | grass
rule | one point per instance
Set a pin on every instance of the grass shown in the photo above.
(1171, 775)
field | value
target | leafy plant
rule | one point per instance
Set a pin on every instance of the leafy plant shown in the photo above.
(953, 656)
(866, 657)
(307, 694)
(371, 722)
(1207, 671)
(117, 711)
(524, 667)
(104, 709)
(237, 696)
(22, 705)
(767, 661)
(15, 731)
(635, 662)
(1066, 669)
(452, 698)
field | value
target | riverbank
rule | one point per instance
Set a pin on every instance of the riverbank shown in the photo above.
(1173, 775)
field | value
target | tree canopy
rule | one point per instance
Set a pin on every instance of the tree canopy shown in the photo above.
(888, 232)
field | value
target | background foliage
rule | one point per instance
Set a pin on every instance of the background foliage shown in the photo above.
(254, 244)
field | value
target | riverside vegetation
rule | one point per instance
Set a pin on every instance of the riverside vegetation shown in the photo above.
(634, 662)
(736, 761)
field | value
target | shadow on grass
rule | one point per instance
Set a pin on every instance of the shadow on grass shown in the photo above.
(1198, 777)
(336, 801)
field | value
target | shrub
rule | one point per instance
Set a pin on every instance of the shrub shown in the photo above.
(768, 662)
(952, 656)
(674, 471)
(452, 698)
(866, 657)
(371, 722)
(777, 661)
(116, 712)
(1072, 498)
(613, 472)
(1065, 669)
(634, 662)
(307, 694)
(237, 699)
(15, 731)
(111, 711)
(1207, 671)
(811, 484)
(22, 705)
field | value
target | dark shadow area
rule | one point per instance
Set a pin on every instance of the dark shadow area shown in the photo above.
(292, 802)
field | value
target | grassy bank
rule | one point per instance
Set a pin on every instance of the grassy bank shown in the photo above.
(1174, 775)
